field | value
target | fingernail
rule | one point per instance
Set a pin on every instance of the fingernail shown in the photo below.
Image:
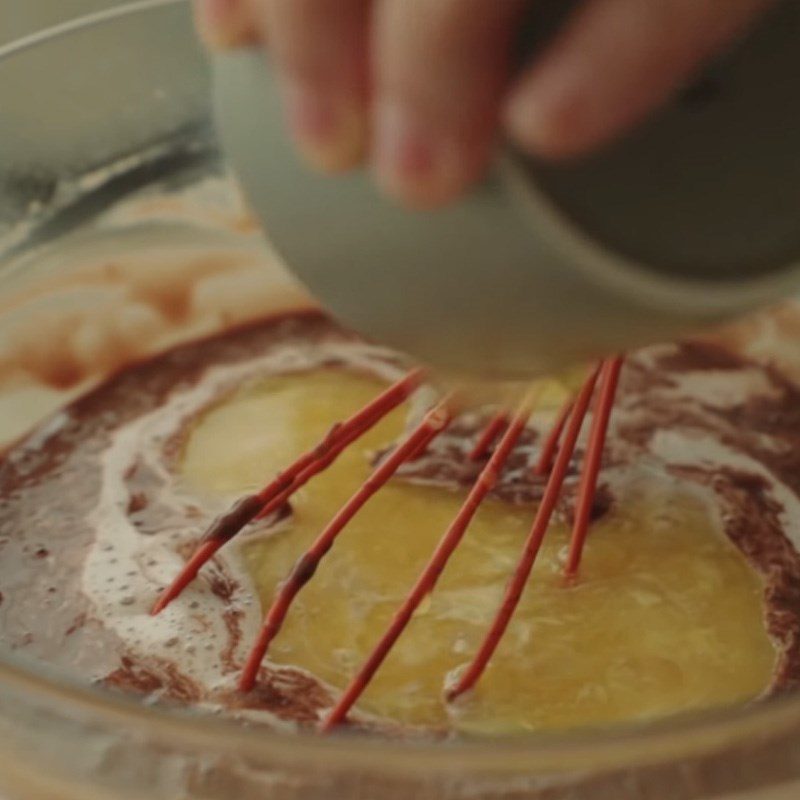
(548, 121)
(328, 128)
(413, 163)
(222, 23)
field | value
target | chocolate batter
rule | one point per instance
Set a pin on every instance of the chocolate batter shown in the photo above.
(94, 520)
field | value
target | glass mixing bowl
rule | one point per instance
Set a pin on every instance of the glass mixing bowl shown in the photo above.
(105, 108)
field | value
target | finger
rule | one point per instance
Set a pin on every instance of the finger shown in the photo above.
(319, 49)
(615, 61)
(439, 71)
(225, 23)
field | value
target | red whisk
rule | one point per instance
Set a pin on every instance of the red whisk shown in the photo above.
(554, 460)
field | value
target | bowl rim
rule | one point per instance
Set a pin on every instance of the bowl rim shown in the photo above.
(624, 745)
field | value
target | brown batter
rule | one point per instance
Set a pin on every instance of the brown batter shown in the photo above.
(50, 482)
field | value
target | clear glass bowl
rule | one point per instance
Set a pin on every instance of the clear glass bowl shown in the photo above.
(91, 113)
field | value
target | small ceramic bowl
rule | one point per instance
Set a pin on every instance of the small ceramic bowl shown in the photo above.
(690, 220)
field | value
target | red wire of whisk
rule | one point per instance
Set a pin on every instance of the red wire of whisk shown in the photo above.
(221, 531)
(550, 444)
(278, 491)
(244, 511)
(430, 574)
(591, 463)
(490, 433)
(533, 543)
(432, 425)
(331, 453)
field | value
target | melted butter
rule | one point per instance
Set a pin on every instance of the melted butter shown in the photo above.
(552, 392)
(667, 615)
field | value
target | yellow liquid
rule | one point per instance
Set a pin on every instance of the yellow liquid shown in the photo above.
(667, 616)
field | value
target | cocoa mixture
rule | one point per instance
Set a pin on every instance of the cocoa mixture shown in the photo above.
(697, 412)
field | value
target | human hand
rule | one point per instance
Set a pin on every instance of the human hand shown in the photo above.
(422, 88)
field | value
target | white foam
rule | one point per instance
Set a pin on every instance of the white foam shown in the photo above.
(126, 569)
